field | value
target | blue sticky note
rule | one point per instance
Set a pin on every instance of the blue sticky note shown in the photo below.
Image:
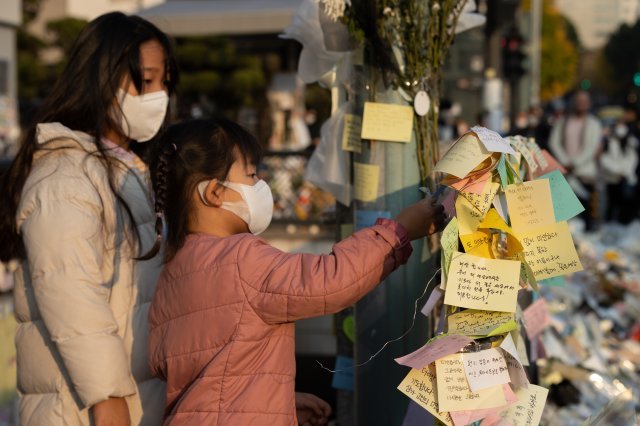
(343, 377)
(553, 282)
(367, 218)
(502, 171)
(565, 202)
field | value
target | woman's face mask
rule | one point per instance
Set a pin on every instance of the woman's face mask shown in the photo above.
(142, 115)
(256, 207)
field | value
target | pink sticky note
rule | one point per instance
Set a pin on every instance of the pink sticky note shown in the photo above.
(536, 318)
(434, 350)
(466, 417)
(476, 185)
(552, 164)
(434, 297)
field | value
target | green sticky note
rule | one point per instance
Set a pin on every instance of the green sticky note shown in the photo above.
(502, 171)
(349, 328)
(553, 282)
(449, 243)
(565, 202)
(504, 328)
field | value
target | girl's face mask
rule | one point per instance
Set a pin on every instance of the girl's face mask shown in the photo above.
(256, 207)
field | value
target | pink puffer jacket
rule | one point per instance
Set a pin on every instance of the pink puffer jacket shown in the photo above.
(221, 321)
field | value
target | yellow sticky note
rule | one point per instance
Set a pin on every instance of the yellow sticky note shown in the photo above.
(473, 322)
(366, 177)
(530, 205)
(527, 411)
(387, 122)
(454, 393)
(549, 251)
(478, 283)
(463, 156)
(471, 208)
(420, 386)
(351, 133)
(478, 243)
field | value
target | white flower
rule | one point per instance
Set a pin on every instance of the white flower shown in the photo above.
(335, 8)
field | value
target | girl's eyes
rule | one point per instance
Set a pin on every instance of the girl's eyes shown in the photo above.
(252, 175)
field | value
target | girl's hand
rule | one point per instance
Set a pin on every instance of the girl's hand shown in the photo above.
(112, 412)
(311, 410)
(422, 218)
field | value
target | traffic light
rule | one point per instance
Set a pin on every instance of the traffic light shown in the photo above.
(512, 55)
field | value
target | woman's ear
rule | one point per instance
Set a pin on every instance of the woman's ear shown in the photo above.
(212, 194)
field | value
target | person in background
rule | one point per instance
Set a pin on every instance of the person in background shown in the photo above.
(619, 162)
(575, 141)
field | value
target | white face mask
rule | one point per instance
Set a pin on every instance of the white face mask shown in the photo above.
(621, 130)
(142, 115)
(256, 207)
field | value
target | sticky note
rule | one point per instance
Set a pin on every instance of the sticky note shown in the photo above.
(502, 171)
(536, 318)
(537, 153)
(367, 218)
(349, 328)
(433, 350)
(478, 243)
(483, 201)
(553, 282)
(517, 373)
(453, 389)
(485, 369)
(472, 322)
(468, 216)
(492, 141)
(565, 202)
(521, 145)
(343, 376)
(421, 386)
(478, 283)
(469, 417)
(530, 205)
(528, 410)
(449, 243)
(463, 156)
(351, 133)
(387, 122)
(475, 185)
(550, 251)
(433, 299)
(366, 179)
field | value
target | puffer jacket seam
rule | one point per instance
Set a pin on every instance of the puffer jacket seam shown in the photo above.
(192, 312)
(182, 276)
(226, 363)
(222, 344)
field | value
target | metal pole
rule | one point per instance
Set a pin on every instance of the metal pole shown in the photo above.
(536, 32)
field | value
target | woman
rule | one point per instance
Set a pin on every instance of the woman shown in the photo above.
(79, 213)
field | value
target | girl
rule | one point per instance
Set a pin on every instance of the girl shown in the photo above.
(221, 321)
(78, 213)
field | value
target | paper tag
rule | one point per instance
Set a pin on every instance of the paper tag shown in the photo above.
(492, 140)
(421, 103)
(366, 178)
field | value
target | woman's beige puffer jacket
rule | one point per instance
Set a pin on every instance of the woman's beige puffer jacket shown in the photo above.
(81, 299)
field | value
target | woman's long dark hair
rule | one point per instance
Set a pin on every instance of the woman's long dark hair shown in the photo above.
(187, 154)
(106, 52)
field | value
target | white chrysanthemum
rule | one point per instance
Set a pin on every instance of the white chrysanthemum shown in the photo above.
(335, 8)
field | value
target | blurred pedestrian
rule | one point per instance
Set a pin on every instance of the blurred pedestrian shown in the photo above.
(78, 213)
(619, 161)
(575, 141)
